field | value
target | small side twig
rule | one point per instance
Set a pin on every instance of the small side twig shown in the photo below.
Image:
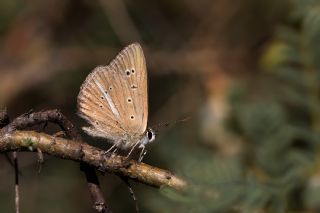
(16, 177)
(40, 160)
(126, 181)
(94, 188)
(55, 116)
(4, 120)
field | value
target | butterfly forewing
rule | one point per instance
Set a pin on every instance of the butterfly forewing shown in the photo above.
(131, 70)
(113, 99)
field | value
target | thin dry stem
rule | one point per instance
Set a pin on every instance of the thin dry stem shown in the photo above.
(16, 178)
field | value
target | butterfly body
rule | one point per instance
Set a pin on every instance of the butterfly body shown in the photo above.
(114, 100)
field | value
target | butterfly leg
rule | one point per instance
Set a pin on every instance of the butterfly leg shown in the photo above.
(142, 153)
(134, 146)
(113, 146)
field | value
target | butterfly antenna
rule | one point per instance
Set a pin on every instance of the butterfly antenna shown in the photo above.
(157, 127)
(126, 181)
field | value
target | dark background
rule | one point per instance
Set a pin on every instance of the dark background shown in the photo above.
(245, 72)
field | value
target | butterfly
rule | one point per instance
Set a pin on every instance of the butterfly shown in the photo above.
(114, 101)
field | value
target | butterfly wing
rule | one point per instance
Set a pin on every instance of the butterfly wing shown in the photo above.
(113, 98)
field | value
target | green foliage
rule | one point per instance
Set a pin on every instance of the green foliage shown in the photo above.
(278, 118)
(8, 10)
(281, 124)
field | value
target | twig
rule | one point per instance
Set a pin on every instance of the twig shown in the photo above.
(4, 120)
(100, 159)
(16, 177)
(126, 181)
(55, 116)
(36, 118)
(40, 160)
(94, 188)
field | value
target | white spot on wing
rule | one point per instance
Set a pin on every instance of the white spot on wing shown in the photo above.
(109, 99)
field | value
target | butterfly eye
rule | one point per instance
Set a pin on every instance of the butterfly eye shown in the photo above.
(151, 135)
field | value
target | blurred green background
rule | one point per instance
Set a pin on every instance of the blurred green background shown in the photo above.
(246, 72)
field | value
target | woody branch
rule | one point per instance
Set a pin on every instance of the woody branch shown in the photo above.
(82, 152)
(32, 119)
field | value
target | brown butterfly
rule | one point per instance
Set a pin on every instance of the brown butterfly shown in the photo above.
(114, 101)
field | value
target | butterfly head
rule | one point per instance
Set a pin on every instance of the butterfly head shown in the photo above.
(149, 136)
